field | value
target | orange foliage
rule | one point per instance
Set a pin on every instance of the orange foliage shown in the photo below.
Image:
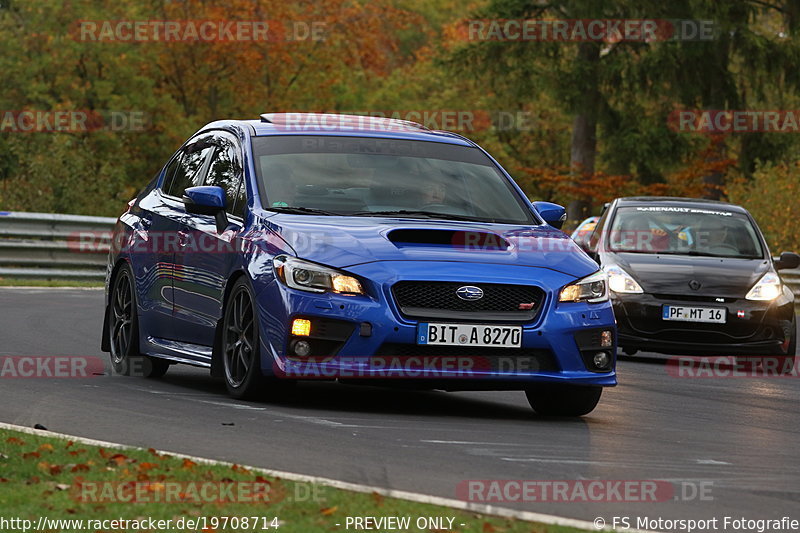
(558, 184)
(310, 47)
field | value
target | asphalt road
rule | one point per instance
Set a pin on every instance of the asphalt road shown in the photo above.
(737, 438)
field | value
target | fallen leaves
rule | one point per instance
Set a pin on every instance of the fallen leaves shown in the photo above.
(119, 459)
(145, 466)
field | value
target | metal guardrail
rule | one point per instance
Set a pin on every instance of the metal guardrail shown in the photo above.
(51, 246)
(792, 279)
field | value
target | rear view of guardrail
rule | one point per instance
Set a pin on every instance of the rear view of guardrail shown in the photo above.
(47, 246)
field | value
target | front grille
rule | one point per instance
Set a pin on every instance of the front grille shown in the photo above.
(506, 359)
(438, 299)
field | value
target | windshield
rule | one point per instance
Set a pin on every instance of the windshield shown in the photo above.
(684, 231)
(384, 177)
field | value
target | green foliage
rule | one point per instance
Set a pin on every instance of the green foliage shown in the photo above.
(384, 56)
(773, 197)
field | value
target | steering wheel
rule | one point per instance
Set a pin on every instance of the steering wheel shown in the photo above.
(436, 206)
(723, 247)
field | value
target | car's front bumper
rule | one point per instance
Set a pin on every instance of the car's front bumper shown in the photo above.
(752, 328)
(367, 337)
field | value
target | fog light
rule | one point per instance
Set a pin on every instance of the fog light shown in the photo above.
(606, 339)
(601, 360)
(301, 327)
(302, 348)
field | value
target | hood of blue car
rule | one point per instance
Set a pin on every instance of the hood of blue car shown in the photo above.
(346, 241)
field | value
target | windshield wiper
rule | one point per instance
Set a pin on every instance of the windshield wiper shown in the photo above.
(693, 253)
(413, 213)
(696, 253)
(295, 210)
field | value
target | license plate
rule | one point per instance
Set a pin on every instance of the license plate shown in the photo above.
(682, 313)
(470, 335)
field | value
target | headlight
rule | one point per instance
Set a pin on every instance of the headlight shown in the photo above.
(621, 282)
(592, 288)
(768, 288)
(307, 276)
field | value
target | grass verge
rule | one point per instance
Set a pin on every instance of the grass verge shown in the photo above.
(92, 486)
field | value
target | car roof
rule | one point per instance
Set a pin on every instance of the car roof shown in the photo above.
(340, 125)
(676, 200)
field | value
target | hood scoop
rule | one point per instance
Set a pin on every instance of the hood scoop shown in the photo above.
(459, 239)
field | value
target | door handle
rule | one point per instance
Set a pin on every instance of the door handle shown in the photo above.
(183, 238)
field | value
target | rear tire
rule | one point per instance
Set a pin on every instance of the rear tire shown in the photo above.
(123, 331)
(551, 399)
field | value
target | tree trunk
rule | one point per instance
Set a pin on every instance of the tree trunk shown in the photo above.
(715, 181)
(584, 129)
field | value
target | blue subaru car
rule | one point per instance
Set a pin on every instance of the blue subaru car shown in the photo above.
(366, 250)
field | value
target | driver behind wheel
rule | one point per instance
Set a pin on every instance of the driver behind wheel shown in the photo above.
(717, 239)
(433, 193)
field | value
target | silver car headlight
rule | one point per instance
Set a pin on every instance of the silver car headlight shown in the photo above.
(767, 289)
(621, 282)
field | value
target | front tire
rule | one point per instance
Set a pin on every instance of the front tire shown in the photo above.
(552, 399)
(241, 356)
(786, 360)
(123, 331)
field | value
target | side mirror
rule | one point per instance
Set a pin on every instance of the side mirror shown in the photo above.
(207, 200)
(553, 214)
(787, 260)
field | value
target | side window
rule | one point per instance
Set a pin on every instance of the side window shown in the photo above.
(169, 172)
(594, 238)
(241, 200)
(191, 170)
(225, 171)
